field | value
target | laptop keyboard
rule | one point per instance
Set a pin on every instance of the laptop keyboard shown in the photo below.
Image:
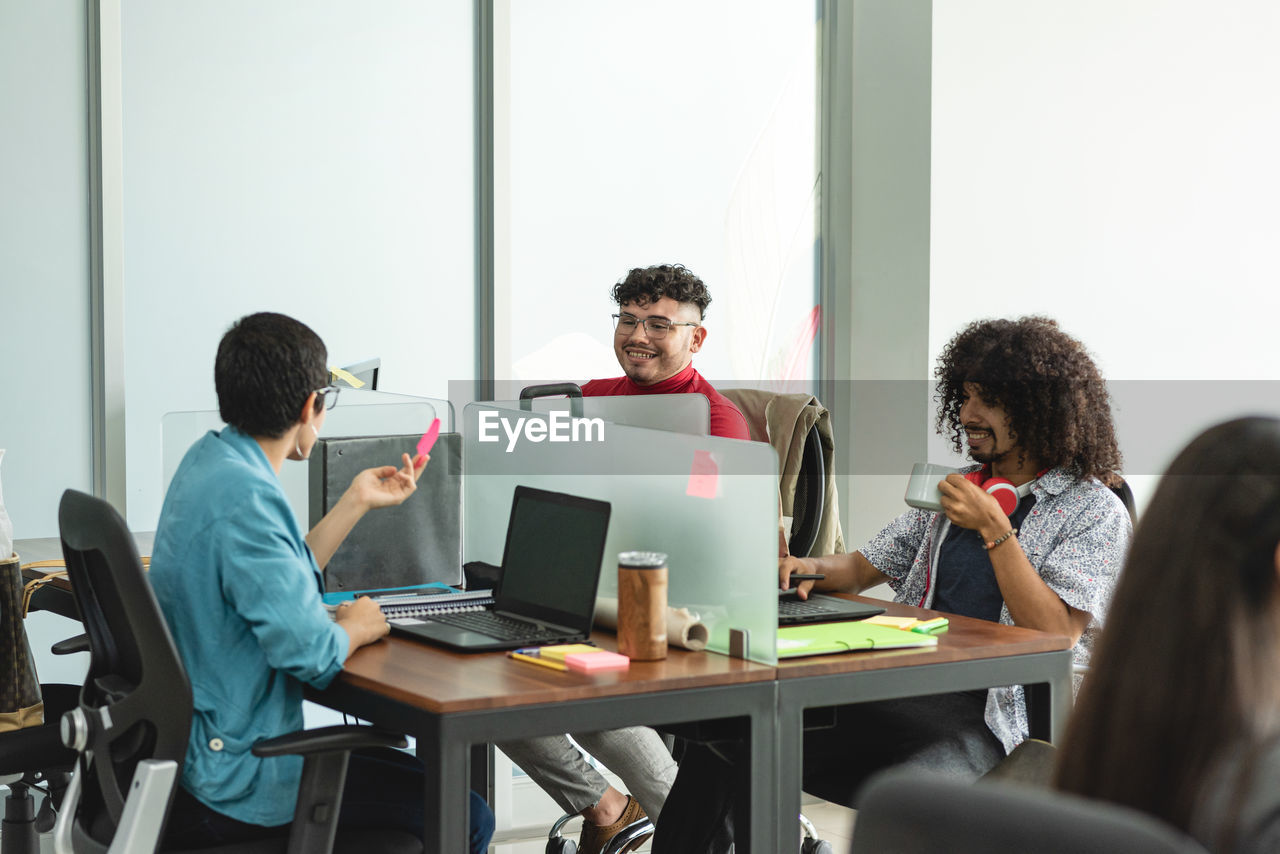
(800, 608)
(500, 627)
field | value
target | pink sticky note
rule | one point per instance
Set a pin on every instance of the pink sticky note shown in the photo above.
(704, 476)
(429, 438)
(592, 662)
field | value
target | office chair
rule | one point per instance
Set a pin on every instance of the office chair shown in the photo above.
(133, 719)
(910, 812)
(810, 496)
(33, 757)
(1125, 494)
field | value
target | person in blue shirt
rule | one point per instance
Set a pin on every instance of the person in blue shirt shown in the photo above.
(240, 587)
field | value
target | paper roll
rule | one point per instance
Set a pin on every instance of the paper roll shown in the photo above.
(684, 628)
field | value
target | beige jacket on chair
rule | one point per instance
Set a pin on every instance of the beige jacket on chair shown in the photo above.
(784, 421)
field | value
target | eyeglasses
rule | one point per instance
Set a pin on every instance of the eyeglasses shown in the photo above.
(329, 394)
(655, 327)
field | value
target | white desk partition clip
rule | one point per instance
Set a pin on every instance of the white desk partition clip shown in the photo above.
(739, 643)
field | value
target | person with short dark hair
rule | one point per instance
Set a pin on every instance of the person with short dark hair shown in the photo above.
(240, 588)
(1178, 713)
(657, 330)
(1030, 407)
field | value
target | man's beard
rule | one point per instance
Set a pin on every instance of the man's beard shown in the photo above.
(990, 458)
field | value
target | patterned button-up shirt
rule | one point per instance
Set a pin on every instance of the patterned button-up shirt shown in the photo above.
(1075, 537)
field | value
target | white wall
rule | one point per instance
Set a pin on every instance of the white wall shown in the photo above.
(45, 415)
(315, 159)
(1112, 163)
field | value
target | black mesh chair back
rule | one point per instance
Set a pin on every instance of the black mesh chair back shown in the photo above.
(910, 812)
(133, 720)
(810, 497)
(135, 673)
(1125, 494)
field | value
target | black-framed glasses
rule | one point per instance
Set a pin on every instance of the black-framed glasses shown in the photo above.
(655, 327)
(329, 394)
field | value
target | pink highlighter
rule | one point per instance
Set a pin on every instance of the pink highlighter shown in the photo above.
(429, 438)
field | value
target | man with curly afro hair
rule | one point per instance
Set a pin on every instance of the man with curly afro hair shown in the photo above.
(1027, 403)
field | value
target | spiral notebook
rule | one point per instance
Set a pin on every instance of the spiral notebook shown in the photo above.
(421, 600)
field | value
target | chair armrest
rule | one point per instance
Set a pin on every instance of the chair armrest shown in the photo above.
(328, 739)
(79, 643)
(327, 751)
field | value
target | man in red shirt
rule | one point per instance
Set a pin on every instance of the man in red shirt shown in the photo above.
(657, 330)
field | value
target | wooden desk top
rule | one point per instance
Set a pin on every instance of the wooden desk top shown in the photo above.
(442, 681)
(966, 639)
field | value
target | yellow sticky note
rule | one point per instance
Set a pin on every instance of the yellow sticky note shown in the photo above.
(347, 377)
(892, 622)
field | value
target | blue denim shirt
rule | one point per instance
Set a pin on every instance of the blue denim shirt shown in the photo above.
(241, 591)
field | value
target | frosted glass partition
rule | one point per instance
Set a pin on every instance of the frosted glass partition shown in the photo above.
(358, 413)
(683, 413)
(711, 504)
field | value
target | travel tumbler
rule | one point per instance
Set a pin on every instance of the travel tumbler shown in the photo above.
(642, 605)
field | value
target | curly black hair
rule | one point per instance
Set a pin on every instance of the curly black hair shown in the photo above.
(644, 285)
(1058, 406)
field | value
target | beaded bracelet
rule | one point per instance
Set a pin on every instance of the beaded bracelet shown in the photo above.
(991, 544)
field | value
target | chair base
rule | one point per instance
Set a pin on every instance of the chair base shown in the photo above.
(18, 829)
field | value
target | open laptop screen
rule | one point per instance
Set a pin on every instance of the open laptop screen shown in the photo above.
(551, 563)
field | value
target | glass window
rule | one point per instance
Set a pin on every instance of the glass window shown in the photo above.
(312, 159)
(663, 132)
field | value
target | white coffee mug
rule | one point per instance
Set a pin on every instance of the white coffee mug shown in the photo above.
(922, 486)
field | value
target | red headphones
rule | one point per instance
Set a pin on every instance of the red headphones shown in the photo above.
(1004, 491)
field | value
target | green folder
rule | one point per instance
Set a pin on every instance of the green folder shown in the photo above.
(825, 638)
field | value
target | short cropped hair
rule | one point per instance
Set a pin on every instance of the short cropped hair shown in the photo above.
(1058, 406)
(266, 366)
(644, 285)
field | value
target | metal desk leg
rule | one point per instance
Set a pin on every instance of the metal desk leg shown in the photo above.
(761, 829)
(1048, 707)
(790, 747)
(446, 758)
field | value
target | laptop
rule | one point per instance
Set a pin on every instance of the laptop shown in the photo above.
(794, 611)
(550, 572)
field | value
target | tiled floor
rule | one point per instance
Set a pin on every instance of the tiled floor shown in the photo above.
(834, 824)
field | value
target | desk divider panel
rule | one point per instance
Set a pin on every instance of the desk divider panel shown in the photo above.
(710, 504)
(358, 413)
(682, 413)
(416, 542)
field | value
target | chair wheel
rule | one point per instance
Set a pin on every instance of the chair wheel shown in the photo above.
(560, 845)
(46, 817)
(816, 846)
(557, 844)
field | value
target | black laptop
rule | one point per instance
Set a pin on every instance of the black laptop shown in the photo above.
(794, 611)
(550, 572)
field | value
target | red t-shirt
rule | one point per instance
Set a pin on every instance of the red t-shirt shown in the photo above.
(726, 420)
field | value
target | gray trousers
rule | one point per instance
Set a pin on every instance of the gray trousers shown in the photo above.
(636, 754)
